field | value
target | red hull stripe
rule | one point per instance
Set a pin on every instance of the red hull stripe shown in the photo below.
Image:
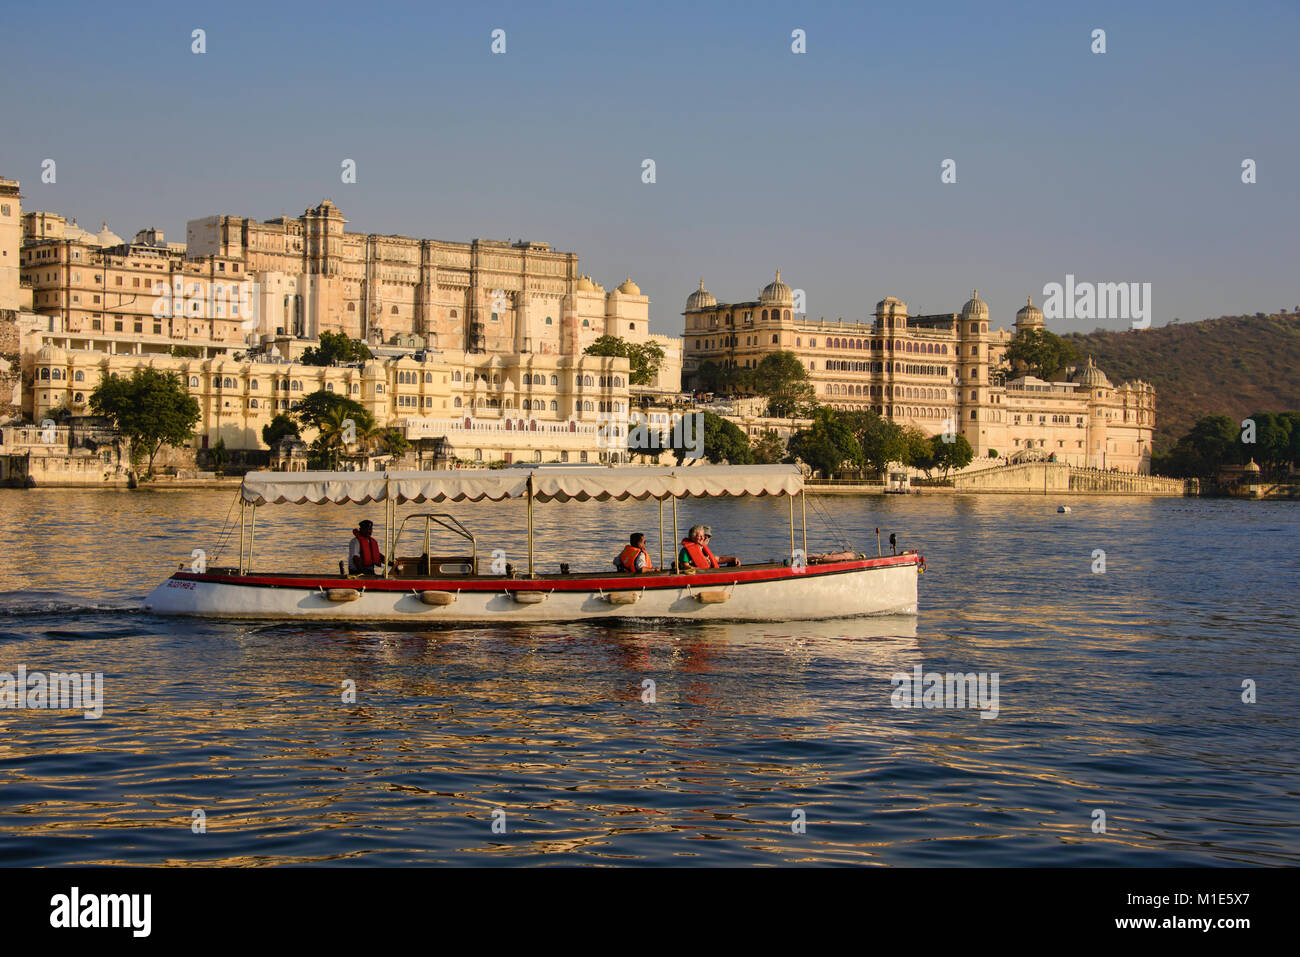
(611, 583)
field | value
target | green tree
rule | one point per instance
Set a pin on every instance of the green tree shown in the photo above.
(218, 455)
(917, 450)
(389, 440)
(335, 347)
(1039, 353)
(643, 358)
(722, 440)
(709, 376)
(881, 441)
(278, 428)
(149, 408)
(314, 409)
(186, 352)
(1213, 442)
(946, 456)
(1272, 448)
(338, 430)
(769, 449)
(782, 379)
(828, 445)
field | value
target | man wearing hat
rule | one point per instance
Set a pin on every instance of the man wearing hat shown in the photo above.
(364, 556)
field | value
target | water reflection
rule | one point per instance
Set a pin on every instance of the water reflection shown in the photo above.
(1118, 691)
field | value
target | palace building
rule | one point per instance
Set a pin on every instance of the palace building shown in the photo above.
(484, 337)
(934, 372)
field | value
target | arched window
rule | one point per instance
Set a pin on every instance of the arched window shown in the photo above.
(393, 311)
(252, 403)
(352, 307)
(79, 397)
(45, 374)
(297, 386)
(478, 455)
(585, 323)
(586, 407)
(586, 380)
(329, 386)
(456, 402)
(555, 380)
(194, 382)
(453, 313)
(79, 376)
(548, 320)
(555, 406)
(455, 377)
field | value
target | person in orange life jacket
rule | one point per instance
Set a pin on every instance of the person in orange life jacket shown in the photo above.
(363, 551)
(696, 553)
(634, 557)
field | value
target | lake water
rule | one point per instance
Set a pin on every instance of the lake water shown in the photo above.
(1119, 692)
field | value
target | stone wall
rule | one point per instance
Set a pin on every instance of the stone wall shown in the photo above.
(1056, 477)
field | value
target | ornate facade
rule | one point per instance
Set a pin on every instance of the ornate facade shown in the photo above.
(934, 372)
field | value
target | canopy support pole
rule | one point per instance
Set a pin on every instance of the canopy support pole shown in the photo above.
(791, 528)
(661, 533)
(242, 506)
(390, 514)
(252, 535)
(803, 505)
(675, 538)
(529, 495)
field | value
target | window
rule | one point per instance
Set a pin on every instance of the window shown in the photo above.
(548, 320)
(585, 323)
(194, 382)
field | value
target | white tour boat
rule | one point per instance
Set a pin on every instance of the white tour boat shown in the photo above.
(423, 585)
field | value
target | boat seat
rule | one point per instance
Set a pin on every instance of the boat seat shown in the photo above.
(426, 566)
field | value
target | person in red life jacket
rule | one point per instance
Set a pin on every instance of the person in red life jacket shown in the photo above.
(363, 551)
(634, 558)
(695, 551)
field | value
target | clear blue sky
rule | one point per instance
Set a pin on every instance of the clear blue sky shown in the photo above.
(1124, 166)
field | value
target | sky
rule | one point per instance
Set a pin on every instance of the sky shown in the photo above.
(1122, 166)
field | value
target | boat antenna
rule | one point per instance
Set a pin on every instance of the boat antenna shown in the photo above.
(227, 527)
(832, 526)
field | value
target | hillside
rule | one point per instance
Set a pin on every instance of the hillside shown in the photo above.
(1233, 365)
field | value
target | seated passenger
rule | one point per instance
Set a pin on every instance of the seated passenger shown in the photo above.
(364, 556)
(634, 558)
(695, 550)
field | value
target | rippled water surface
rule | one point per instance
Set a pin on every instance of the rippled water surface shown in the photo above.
(1119, 692)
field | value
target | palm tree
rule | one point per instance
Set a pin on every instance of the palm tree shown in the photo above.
(336, 429)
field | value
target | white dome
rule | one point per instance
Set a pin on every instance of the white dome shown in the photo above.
(776, 293)
(700, 299)
(975, 308)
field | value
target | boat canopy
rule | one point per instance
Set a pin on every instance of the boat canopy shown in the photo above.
(547, 484)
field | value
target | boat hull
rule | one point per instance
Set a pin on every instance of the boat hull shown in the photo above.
(878, 586)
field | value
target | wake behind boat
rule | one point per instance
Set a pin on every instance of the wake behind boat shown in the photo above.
(453, 587)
